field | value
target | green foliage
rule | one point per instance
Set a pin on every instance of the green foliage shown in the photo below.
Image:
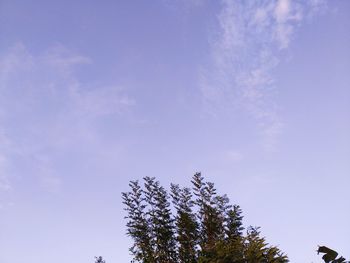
(138, 225)
(330, 256)
(186, 224)
(234, 226)
(257, 250)
(161, 221)
(210, 214)
(201, 226)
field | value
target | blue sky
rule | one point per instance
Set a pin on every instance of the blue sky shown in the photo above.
(254, 94)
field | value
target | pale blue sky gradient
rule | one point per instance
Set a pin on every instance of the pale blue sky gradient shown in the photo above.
(254, 94)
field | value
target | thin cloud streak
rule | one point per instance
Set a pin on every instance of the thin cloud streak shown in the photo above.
(56, 109)
(244, 52)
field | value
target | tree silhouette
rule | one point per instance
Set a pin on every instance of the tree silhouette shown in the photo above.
(200, 226)
(186, 224)
(161, 222)
(138, 227)
(99, 260)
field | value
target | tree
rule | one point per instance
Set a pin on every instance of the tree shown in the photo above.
(201, 226)
(160, 221)
(186, 224)
(234, 224)
(210, 218)
(99, 260)
(138, 224)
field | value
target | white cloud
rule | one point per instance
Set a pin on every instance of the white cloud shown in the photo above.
(282, 10)
(4, 183)
(60, 57)
(45, 108)
(103, 101)
(244, 52)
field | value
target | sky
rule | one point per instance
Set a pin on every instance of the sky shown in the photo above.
(93, 94)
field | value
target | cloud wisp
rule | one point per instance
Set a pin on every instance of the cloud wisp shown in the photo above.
(45, 109)
(251, 38)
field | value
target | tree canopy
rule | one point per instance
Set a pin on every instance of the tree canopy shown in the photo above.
(190, 225)
(99, 260)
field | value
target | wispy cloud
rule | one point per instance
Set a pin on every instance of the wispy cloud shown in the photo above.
(5, 186)
(44, 108)
(4, 181)
(247, 47)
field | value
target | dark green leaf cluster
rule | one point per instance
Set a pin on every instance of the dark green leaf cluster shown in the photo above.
(330, 256)
(191, 225)
(99, 260)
